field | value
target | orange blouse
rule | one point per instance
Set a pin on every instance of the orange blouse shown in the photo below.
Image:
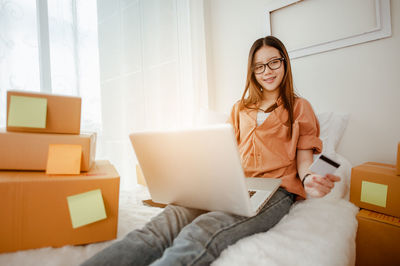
(266, 151)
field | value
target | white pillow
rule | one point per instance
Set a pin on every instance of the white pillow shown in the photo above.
(332, 127)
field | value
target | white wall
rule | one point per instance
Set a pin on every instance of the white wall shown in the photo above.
(362, 80)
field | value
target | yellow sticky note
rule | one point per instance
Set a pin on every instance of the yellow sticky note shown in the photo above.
(86, 208)
(374, 193)
(64, 159)
(27, 112)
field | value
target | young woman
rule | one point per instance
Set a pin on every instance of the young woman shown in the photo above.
(277, 134)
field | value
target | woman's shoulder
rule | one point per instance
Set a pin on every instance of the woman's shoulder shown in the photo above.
(301, 102)
(302, 105)
(237, 103)
(235, 106)
(240, 106)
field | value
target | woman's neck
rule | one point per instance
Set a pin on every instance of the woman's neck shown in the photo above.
(269, 98)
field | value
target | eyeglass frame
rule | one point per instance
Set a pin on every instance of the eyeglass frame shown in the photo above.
(281, 59)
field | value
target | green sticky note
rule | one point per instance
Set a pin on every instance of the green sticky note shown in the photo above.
(374, 193)
(86, 208)
(27, 111)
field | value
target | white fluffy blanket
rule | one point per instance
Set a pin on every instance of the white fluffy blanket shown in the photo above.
(315, 232)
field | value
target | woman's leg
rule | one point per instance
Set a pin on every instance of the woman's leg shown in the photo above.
(141, 247)
(202, 241)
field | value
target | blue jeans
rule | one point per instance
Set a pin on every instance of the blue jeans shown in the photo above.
(183, 236)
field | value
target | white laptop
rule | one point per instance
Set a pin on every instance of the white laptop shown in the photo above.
(200, 168)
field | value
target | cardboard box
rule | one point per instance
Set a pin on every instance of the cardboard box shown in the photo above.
(28, 151)
(34, 210)
(398, 159)
(377, 239)
(375, 186)
(63, 113)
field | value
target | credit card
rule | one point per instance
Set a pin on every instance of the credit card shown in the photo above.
(324, 165)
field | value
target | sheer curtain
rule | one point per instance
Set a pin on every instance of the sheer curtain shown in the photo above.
(65, 31)
(152, 71)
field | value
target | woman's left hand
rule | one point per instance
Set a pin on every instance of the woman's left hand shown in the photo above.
(317, 186)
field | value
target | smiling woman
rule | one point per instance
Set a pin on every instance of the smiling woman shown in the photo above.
(270, 74)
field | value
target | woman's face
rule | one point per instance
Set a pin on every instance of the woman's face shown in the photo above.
(270, 79)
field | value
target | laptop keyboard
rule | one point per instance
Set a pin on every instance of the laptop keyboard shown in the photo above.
(251, 193)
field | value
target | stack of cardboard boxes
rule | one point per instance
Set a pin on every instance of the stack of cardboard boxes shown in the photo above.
(375, 188)
(52, 191)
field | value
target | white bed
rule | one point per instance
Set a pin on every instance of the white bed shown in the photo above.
(314, 232)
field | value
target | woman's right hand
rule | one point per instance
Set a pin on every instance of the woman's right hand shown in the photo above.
(317, 186)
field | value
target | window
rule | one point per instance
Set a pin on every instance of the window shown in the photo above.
(51, 47)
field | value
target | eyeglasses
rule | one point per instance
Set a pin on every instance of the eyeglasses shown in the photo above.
(274, 64)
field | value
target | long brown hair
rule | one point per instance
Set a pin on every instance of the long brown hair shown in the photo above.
(286, 91)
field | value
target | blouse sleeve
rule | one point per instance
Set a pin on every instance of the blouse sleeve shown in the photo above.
(234, 121)
(308, 127)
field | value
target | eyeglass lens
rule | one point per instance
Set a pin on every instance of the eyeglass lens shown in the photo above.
(273, 65)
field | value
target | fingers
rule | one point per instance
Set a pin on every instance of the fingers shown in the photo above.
(319, 186)
(315, 189)
(323, 181)
(317, 180)
(324, 186)
(333, 178)
(315, 193)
